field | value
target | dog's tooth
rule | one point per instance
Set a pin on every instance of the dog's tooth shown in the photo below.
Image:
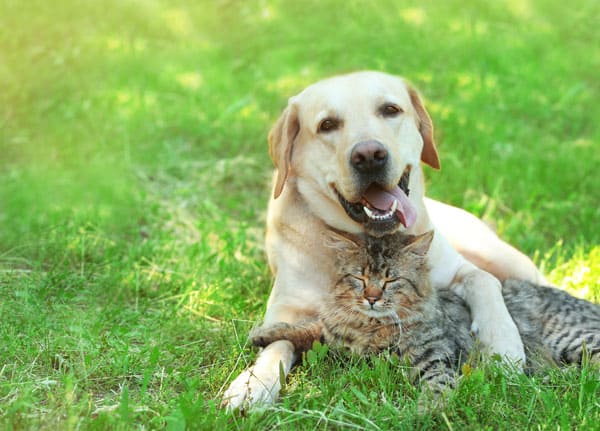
(373, 216)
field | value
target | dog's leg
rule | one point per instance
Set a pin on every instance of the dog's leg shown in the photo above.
(491, 320)
(261, 383)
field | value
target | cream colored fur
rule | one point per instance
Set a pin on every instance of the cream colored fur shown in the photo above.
(304, 205)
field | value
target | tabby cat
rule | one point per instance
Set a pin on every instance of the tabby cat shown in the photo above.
(383, 300)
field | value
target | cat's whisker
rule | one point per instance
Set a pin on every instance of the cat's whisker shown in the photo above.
(397, 320)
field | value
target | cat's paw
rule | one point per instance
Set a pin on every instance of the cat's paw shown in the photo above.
(501, 338)
(266, 334)
(250, 390)
(433, 401)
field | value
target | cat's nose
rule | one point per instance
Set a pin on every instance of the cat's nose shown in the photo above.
(373, 294)
(373, 299)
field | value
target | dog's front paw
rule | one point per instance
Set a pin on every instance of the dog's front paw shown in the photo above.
(261, 383)
(249, 390)
(501, 338)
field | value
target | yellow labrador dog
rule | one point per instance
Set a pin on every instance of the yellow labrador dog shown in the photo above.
(347, 152)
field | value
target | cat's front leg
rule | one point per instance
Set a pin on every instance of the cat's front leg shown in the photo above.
(264, 335)
(261, 383)
(301, 335)
(491, 320)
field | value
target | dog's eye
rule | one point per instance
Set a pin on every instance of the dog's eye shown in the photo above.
(390, 110)
(328, 125)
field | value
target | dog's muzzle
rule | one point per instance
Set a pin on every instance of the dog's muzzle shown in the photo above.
(382, 211)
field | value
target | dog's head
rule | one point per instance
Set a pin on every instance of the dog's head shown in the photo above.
(353, 144)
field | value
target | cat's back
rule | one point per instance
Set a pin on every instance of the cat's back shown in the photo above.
(548, 301)
(551, 320)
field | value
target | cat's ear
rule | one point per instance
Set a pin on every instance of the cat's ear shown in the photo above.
(343, 243)
(419, 244)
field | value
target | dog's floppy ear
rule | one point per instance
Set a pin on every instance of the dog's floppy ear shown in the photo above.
(281, 140)
(429, 154)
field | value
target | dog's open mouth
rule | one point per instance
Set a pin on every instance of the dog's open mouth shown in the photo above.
(380, 210)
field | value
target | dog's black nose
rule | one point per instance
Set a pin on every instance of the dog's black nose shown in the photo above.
(368, 156)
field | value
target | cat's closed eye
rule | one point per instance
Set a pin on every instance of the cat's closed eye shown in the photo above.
(396, 282)
(358, 282)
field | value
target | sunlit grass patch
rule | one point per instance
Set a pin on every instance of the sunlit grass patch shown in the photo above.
(134, 176)
(578, 273)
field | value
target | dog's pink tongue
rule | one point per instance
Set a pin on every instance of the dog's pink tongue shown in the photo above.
(383, 200)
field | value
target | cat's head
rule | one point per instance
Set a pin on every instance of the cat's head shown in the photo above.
(381, 276)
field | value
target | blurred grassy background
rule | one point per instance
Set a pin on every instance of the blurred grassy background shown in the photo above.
(134, 178)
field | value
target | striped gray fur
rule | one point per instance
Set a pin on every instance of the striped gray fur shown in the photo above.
(430, 328)
(553, 324)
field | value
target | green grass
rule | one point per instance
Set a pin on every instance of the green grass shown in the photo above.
(134, 178)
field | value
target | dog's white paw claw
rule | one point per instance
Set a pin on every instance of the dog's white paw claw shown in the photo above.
(248, 391)
(503, 340)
